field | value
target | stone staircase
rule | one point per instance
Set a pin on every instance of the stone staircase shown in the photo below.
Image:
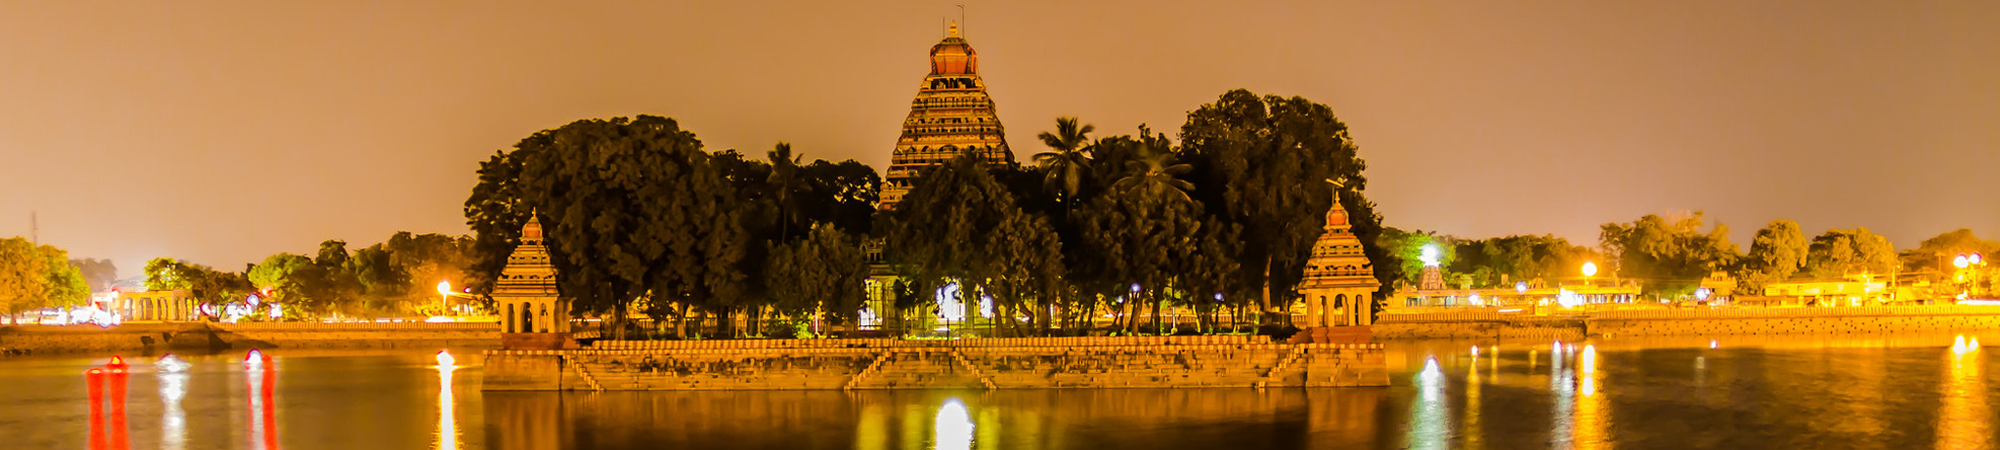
(919, 370)
(584, 374)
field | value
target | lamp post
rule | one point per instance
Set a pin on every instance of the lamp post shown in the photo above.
(1589, 270)
(444, 297)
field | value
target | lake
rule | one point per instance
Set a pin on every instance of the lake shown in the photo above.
(1872, 392)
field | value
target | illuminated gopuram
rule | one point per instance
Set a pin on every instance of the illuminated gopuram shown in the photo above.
(1340, 280)
(532, 316)
(951, 116)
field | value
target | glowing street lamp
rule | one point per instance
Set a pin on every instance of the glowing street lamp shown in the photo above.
(1429, 255)
(1589, 270)
(444, 297)
(1961, 261)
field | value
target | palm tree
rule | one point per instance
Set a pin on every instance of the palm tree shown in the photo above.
(1154, 175)
(784, 177)
(1068, 158)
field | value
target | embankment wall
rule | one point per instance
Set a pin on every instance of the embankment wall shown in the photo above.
(22, 340)
(1689, 322)
(1020, 363)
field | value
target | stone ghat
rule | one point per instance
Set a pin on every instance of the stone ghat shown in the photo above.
(1024, 363)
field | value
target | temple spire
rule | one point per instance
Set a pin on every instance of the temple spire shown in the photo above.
(954, 29)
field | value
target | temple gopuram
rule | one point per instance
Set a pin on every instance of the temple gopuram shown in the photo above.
(1340, 283)
(951, 116)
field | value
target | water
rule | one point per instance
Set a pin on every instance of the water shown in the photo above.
(1906, 392)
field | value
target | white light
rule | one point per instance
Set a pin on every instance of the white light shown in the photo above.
(1701, 294)
(169, 363)
(444, 288)
(1589, 269)
(254, 361)
(1429, 255)
(1520, 287)
(1961, 261)
(445, 361)
(1972, 258)
(1511, 310)
(1712, 343)
(1474, 298)
(954, 426)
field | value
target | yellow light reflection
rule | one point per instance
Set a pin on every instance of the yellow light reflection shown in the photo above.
(1964, 419)
(447, 435)
(954, 426)
(1428, 428)
(173, 419)
(1473, 436)
(1592, 408)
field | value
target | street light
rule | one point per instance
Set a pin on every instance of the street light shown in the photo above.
(1589, 270)
(444, 297)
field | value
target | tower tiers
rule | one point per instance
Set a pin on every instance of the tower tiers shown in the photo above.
(951, 116)
(1340, 282)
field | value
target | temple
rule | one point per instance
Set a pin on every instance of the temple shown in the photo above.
(532, 316)
(1340, 280)
(951, 116)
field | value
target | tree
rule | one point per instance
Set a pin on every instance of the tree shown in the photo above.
(1669, 258)
(1262, 163)
(23, 284)
(1068, 158)
(1838, 254)
(823, 272)
(1405, 248)
(842, 194)
(67, 287)
(1935, 254)
(944, 231)
(632, 208)
(101, 274)
(1776, 253)
(290, 279)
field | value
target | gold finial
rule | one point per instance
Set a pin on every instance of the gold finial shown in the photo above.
(954, 28)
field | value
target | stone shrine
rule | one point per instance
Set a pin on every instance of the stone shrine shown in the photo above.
(1340, 283)
(532, 315)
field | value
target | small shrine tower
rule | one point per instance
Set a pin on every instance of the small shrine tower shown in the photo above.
(1340, 283)
(532, 315)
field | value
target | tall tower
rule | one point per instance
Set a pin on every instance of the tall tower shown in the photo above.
(951, 116)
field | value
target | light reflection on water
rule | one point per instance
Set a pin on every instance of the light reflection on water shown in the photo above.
(1886, 393)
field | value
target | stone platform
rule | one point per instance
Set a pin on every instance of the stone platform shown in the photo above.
(1010, 363)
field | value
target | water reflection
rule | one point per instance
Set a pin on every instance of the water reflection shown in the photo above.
(173, 419)
(1429, 428)
(106, 391)
(1592, 409)
(260, 382)
(954, 428)
(447, 430)
(1964, 419)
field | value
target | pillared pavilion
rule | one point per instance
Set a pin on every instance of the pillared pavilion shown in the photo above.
(951, 116)
(1340, 280)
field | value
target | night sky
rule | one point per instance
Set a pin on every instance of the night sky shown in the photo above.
(223, 132)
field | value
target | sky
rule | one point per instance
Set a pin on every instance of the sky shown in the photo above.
(222, 132)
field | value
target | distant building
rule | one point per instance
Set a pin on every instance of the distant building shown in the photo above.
(951, 116)
(152, 306)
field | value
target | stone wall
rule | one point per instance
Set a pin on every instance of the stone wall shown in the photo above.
(1019, 363)
(20, 340)
(1689, 322)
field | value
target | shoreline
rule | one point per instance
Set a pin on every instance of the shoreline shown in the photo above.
(1705, 323)
(203, 336)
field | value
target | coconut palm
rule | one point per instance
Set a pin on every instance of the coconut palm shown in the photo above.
(1069, 157)
(783, 180)
(1153, 174)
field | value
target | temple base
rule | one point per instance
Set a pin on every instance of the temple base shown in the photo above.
(537, 341)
